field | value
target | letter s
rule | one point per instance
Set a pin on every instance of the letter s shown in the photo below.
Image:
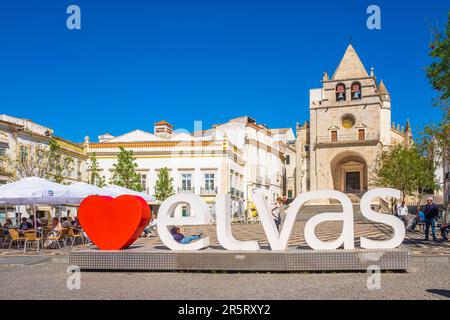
(393, 221)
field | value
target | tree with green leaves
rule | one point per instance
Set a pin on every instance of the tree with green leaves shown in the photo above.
(164, 187)
(435, 139)
(38, 160)
(94, 176)
(438, 72)
(124, 171)
(61, 166)
(404, 168)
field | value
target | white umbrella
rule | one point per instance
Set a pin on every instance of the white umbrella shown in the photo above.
(122, 191)
(86, 189)
(33, 190)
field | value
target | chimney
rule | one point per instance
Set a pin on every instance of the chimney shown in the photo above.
(163, 129)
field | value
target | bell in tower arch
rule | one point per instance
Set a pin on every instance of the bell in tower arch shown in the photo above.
(356, 91)
(340, 92)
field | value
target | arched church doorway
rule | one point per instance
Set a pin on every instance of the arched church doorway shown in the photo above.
(350, 173)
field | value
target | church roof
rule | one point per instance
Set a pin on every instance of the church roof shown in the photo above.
(350, 66)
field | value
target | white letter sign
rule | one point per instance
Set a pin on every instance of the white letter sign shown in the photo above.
(393, 221)
(347, 235)
(280, 240)
(224, 234)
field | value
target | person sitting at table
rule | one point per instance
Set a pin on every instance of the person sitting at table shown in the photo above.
(8, 225)
(55, 225)
(25, 225)
(56, 228)
(42, 222)
(65, 223)
(179, 237)
(31, 220)
(75, 222)
(17, 224)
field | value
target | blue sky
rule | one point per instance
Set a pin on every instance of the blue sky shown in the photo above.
(135, 62)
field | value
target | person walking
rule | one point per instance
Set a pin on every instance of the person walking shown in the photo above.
(431, 213)
(402, 213)
(276, 212)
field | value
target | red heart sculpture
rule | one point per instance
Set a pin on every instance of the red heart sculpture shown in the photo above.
(113, 224)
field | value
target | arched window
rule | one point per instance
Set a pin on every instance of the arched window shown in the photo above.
(340, 92)
(356, 91)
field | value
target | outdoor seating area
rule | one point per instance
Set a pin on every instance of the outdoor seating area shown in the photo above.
(42, 239)
(25, 231)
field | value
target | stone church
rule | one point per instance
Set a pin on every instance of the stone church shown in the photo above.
(350, 122)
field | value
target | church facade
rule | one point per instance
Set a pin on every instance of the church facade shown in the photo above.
(350, 123)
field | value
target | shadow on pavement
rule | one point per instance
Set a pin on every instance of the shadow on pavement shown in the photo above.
(441, 292)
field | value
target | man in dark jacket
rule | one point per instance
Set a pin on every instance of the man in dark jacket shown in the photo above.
(25, 225)
(431, 213)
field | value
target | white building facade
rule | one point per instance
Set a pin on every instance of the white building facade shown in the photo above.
(237, 158)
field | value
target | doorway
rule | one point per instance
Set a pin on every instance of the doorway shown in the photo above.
(352, 181)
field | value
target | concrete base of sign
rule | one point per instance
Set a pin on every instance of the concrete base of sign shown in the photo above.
(143, 259)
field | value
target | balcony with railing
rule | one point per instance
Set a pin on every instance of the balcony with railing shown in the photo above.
(185, 190)
(208, 191)
(236, 193)
(346, 139)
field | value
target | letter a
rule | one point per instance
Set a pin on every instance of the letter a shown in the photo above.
(74, 279)
(374, 280)
(374, 21)
(74, 20)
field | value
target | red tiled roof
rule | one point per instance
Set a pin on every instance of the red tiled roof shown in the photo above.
(163, 123)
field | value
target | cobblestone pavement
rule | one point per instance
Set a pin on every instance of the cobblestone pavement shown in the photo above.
(326, 231)
(426, 279)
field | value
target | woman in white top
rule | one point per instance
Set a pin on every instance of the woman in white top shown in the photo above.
(276, 212)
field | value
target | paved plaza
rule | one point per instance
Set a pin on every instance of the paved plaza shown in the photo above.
(44, 276)
(426, 279)
(327, 231)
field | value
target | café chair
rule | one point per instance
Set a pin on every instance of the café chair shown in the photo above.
(71, 235)
(31, 237)
(15, 236)
(60, 237)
